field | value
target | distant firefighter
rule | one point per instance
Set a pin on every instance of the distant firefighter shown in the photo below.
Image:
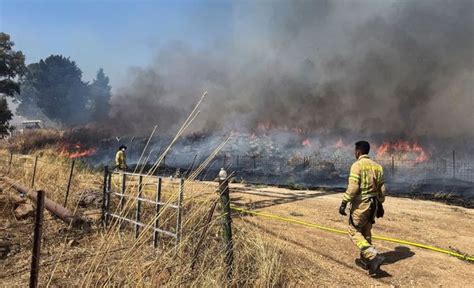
(121, 158)
(366, 193)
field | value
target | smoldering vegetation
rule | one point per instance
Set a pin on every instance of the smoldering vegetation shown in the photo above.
(402, 68)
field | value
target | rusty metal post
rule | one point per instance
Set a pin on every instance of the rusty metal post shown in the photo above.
(156, 234)
(254, 162)
(139, 206)
(104, 197)
(34, 172)
(179, 212)
(35, 257)
(10, 163)
(226, 226)
(71, 172)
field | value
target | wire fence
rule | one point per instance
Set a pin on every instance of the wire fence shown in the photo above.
(311, 170)
(56, 178)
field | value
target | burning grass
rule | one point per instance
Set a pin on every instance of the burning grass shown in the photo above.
(114, 257)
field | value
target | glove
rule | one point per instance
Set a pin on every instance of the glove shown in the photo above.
(380, 210)
(342, 209)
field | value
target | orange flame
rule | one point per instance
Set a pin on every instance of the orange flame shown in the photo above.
(76, 151)
(402, 150)
(306, 143)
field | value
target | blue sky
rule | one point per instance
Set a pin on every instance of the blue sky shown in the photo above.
(114, 35)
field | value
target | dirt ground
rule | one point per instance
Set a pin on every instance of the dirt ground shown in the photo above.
(320, 258)
(327, 259)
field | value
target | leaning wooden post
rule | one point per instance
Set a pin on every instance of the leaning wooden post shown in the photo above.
(35, 258)
(156, 234)
(34, 172)
(179, 212)
(139, 206)
(10, 163)
(226, 223)
(104, 197)
(69, 181)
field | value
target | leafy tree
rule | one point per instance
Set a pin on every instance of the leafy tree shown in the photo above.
(55, 86)
(100, 97)
(5, 117)
(12, 64)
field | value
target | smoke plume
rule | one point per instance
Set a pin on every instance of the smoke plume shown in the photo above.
(401, 68)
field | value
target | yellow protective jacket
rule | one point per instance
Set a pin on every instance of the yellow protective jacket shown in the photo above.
(121, 160)
(365, 181)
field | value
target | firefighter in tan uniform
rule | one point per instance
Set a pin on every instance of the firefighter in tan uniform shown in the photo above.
(121, 158)
(366, 193)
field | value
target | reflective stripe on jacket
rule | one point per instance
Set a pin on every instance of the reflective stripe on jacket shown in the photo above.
(121, 160)
(365, 181)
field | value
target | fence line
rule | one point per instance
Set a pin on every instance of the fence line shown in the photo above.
(395, 168)
(158, 204)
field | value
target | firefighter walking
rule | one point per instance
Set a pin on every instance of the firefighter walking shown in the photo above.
(366, 193)
(121, 158)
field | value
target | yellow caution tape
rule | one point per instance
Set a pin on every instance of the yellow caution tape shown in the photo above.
(394, 240)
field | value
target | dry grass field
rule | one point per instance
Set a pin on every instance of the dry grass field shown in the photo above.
(267, 252)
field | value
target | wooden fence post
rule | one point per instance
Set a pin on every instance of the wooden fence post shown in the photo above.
(226, 226)
(104, 197)
(69, 181)
(156, 234)
(10, 163)
(37, 239)
(179, 212)
(34, 172)
(139, 206)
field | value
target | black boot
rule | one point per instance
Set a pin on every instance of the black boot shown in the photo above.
(375, 264)
(362, 263)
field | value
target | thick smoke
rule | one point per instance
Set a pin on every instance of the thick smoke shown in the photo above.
(402, 68)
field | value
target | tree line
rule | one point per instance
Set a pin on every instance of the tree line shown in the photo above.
(52, 88)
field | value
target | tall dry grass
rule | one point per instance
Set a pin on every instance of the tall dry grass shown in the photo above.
(114, 257)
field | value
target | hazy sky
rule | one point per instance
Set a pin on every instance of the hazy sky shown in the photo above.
(114, 35)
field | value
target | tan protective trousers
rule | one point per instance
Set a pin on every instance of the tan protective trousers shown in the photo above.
(360, 229)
